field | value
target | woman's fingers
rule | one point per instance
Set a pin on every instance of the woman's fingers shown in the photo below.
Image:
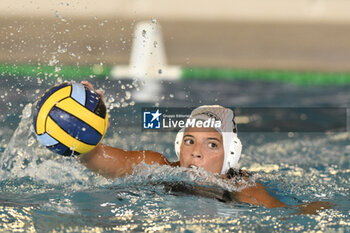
(100, 93)
(88, 84)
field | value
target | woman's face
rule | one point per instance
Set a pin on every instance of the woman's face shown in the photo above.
(202, 147)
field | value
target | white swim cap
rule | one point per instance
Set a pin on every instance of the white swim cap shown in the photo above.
(228, 130)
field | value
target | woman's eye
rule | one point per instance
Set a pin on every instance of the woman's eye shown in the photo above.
(188, 141)
(213, 145)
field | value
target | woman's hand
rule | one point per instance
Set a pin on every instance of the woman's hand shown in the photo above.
(98, 92)
(89, 85)
(313, 207)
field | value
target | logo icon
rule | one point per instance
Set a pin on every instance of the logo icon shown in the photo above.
(151, 120)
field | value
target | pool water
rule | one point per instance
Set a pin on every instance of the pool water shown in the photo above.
(43, 192)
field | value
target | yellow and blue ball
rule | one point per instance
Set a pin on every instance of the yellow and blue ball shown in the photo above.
(70, 119)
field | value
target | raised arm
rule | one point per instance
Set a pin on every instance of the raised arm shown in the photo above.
(113, 162)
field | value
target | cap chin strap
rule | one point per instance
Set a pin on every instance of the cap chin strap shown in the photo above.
(232, 149)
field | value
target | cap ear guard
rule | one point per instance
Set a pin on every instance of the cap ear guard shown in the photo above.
(178, 141)
(232, 156)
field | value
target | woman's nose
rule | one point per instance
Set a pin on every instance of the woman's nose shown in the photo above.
(196, 153)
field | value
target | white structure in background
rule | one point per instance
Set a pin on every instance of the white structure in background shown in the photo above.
(148, 63)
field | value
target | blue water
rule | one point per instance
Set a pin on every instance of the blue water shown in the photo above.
(42, 192)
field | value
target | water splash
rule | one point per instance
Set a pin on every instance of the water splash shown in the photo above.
(25, 157)
(145, 174)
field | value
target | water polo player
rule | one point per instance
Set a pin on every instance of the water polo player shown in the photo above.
(216, 150)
